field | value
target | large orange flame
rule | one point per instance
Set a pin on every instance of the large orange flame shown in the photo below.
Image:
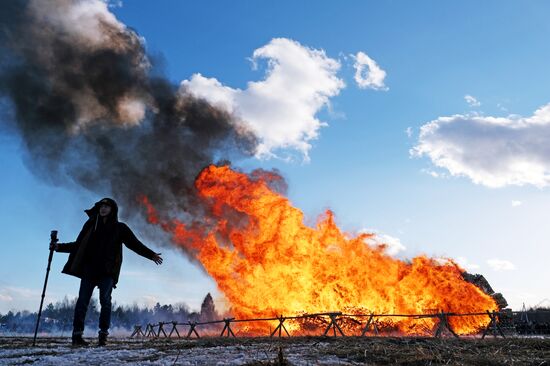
(272, 263)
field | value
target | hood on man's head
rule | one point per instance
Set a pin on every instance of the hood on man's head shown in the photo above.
(104, 201)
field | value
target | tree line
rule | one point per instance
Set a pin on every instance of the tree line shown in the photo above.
(58, 317)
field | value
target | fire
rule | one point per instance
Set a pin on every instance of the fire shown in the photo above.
(267, 262)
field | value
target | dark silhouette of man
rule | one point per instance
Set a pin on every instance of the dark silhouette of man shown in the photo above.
(96, 257)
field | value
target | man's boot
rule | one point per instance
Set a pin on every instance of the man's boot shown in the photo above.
(78, 341)
(102, 338)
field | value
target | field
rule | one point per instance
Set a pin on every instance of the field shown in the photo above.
(286, 351)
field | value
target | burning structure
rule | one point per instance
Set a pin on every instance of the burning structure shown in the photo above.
(266, 261)
(91, 108)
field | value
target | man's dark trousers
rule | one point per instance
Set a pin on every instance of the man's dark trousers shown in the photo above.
(105, 285)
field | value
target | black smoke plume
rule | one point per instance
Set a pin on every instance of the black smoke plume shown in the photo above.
(91, 109)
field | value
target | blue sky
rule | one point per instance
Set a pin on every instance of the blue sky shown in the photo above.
(464, 196)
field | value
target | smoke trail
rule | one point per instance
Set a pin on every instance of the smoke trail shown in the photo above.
(90, 108)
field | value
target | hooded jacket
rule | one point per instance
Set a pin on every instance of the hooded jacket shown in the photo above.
(108, 253)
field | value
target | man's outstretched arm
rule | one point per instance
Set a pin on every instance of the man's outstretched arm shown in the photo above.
(133, 243)
(63, 247)
(68, 247)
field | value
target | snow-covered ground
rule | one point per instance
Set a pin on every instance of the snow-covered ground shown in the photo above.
(57, 351)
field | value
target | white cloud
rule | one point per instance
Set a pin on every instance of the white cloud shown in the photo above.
(114, 3)
(409, 132)
(501, 264)
(149, 301)
(502, 107)
(9, 294)
(21, 292)
(280, 109)
(5, 298)
(465, 263)
(493, 151)
(391, 245)
(472, 101)
(516, 203)
(434, 173)
(368, 75)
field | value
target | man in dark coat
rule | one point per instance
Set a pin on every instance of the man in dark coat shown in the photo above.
(96, 257)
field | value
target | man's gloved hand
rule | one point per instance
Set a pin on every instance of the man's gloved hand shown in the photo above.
(54, 246)
(157, 258)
